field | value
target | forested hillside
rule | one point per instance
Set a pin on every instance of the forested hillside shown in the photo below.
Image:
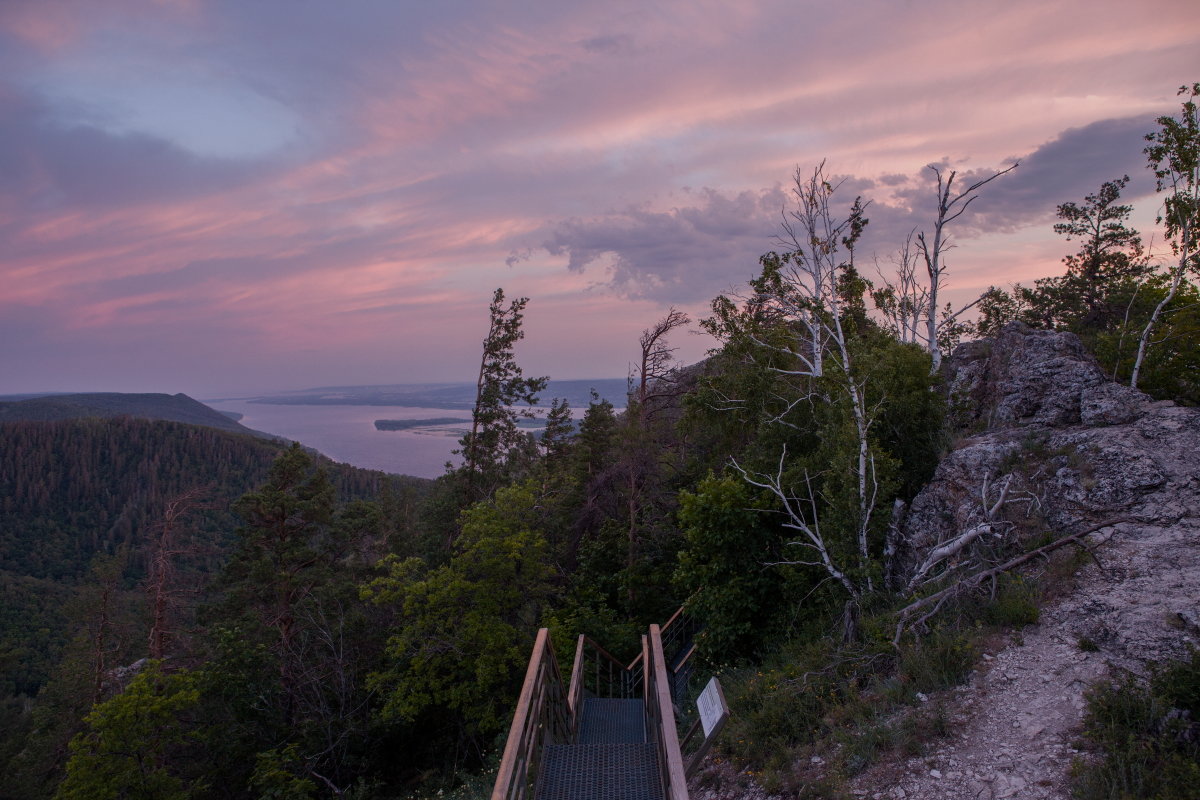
(80, 503)
(172, 408)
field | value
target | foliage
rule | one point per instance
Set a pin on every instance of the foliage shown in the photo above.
(130, 740)
(1174, 156)
(501, 386)
(291, 590)
(467, 627)
(1147, 734)
(1088, 298)
(278, 776)
(725, 567)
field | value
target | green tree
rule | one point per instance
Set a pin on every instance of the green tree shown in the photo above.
(135, 746)
(283, 554)
(1174, 155)
(726, 567)
(501, 386)
(1110, 251)
(465, 628)
(555, 441)
(291, 589)
(1086, 299)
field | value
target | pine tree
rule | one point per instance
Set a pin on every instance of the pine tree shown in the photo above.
(501, 386)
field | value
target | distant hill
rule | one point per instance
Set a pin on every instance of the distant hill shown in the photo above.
(457, 396)
(166, 407)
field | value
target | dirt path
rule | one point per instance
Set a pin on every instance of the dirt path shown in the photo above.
(1014, 724)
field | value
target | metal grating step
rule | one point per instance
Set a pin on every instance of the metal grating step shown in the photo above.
(599, 772)
(607, 721)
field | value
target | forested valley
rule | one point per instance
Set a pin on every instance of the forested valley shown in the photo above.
(188, 613)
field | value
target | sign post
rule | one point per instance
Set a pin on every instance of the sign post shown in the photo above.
(713, 711)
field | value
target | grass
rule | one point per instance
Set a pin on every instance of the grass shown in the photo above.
(854, 704)
(822, 696)
(1145, 736)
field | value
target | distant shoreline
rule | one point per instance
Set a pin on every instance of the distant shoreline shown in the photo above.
(407, 424)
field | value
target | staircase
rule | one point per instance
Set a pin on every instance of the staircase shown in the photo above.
(612, 759)
(610, 735)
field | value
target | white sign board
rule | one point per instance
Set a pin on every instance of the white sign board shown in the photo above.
(711, 705)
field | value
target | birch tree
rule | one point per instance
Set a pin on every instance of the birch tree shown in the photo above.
(1174, 155)
(951, 204)
(799, 290)
(903, 303)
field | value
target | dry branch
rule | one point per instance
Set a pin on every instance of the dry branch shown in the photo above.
(938, 599)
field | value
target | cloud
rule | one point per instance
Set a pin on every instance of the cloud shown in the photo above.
(678, 255)
(434, 139)
(1069, 166)
(46, 165)
(692, 252)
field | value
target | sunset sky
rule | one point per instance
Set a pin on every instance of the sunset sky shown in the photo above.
(241, 196)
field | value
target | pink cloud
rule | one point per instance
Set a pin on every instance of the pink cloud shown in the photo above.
(643, 144)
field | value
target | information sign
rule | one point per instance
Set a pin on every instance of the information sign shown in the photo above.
(712, 708)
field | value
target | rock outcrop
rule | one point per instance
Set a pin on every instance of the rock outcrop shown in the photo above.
(1034, 409)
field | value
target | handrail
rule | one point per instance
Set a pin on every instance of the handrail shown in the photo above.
(540, 720)
(575, 691)
(550, 713)
(660, 718)
(666, 626)
(599, 672)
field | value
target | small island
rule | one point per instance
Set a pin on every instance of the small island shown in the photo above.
(406, 424)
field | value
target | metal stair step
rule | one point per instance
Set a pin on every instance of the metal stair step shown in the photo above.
(599, 772)
(610, 721)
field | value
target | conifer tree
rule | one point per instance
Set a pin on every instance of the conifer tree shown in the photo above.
(1110, 258)
(500, 387)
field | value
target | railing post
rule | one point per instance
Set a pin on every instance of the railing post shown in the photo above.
(661, 712)
(539, 719)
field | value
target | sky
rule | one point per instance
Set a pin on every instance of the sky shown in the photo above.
(222, 197)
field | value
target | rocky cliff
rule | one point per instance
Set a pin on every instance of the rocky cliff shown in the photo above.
(1075, 450)
(1033, 409)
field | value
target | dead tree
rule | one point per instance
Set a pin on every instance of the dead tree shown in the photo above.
(800, 288)
(927, 607)
(652, 383)
(904, 302)
(988, 522)
(950, 206)
(162, 580)
(655, 377)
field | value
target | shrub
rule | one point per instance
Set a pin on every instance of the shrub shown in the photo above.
(1148, 734)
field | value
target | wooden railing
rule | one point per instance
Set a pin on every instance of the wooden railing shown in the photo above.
(660, 717)
(541, 719)
(679, 645)
(549, 713)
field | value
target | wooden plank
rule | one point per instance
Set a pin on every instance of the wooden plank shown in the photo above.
(514, 764)
(575, 693)
(676, 788)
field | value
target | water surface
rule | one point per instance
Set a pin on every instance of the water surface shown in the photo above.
(347, 433)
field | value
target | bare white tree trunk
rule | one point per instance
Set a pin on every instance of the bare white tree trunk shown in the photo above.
(1174, 155)
(1144, 339)
(950, 207)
